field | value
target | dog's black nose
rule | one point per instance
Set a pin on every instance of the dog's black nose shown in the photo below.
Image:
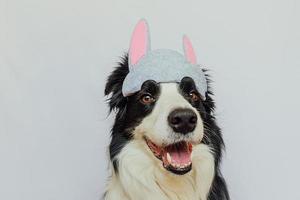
(182, 120)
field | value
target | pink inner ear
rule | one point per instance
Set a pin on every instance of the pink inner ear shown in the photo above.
(139, 42)
(189, 51)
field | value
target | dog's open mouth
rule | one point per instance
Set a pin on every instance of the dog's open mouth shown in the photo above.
(175, 157)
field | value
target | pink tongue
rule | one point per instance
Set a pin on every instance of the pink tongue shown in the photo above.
(182, 156)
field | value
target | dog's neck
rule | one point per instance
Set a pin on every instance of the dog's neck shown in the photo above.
(141, 176)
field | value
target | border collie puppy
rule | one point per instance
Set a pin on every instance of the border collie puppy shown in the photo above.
(165, 143)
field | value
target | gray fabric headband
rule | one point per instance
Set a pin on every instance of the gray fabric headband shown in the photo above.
(162, 65)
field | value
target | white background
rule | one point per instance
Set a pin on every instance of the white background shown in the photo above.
(55, 56)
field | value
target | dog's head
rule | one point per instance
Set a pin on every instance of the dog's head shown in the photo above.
(168, 117)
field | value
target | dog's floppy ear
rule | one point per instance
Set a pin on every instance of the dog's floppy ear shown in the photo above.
(140, 43)
(189, 50)
(114, 85)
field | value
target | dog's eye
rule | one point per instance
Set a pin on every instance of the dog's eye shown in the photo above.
(194, 96)
(147, 99)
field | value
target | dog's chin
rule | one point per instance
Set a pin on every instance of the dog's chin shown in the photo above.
(175, 157)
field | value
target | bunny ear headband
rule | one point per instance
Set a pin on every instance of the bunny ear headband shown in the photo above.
(161, 65)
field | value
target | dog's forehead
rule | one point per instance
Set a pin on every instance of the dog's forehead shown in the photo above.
(163, 66)
(169, 90)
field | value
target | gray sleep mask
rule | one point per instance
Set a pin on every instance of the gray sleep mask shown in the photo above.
(161, 65)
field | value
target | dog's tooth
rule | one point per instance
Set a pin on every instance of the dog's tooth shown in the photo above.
(169, 159)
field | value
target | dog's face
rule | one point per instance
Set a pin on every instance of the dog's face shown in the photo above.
(167, 118)
(172, 123)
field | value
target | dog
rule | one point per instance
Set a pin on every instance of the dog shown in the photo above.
(165, 142)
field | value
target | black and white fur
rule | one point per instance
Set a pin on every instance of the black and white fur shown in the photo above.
(136, 173)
